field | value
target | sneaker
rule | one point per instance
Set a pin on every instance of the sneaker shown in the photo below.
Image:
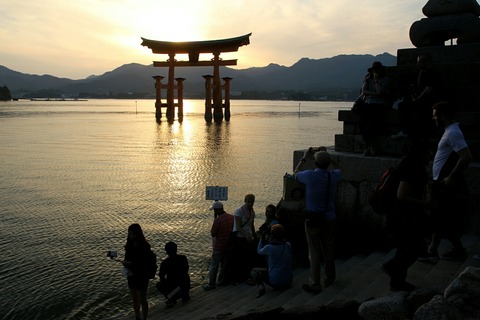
(170, 303)
(399, 135)
(402, 286)
(260, 292)
(208, 287)
(455, 255)
(429, 257)
(310, 289)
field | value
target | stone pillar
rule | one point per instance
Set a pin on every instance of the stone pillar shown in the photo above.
(180, 98)
(158, 97)
(208, 97)
(170, 89)
(227, 97)
(217, 89)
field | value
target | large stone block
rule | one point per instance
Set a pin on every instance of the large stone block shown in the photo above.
(435, 8)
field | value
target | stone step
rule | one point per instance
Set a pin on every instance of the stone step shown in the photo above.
(385, 145)
(358, 278)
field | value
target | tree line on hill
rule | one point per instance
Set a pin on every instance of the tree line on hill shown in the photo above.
(5, 94)
(336, 78)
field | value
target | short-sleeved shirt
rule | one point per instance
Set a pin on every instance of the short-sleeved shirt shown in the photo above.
(221, 228)
(315, 182)
(247, 217)
(452, 141)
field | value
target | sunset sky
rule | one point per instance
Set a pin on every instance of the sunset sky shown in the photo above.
(75, 39)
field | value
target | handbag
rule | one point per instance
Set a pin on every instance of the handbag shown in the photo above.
(359, 104)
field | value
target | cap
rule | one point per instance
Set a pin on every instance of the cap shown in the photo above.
(322, 158)
(216, 205)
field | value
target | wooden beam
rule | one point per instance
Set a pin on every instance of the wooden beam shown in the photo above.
(196, 64)
(196, 47)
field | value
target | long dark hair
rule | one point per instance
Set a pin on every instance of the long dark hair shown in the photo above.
(139, 241)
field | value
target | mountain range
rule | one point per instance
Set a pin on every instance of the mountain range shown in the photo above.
(337, 77)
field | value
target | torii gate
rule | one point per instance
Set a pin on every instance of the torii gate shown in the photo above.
(194, 49)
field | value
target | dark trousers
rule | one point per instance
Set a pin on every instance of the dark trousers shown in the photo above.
(407, 229)
(321, 244)
(444, 222)
(371, 122)
(241, 260)
(416, 118)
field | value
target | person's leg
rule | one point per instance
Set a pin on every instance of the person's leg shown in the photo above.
(142, 295)
(312, 234)
(136, 302)
(212, 273)
(222, 267)
(258, 275)
(328, 249)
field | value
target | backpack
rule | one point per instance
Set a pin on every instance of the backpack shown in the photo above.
(384, 195)
(151, 267)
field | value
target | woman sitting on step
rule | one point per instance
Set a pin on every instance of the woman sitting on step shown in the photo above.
(279, 274)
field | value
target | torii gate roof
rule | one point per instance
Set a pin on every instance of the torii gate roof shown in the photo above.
(195, 47)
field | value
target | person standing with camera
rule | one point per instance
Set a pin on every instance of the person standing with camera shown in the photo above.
(136, 250)
(320, 222)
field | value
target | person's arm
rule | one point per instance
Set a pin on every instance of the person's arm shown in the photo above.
(238, 221)
(426, 91)
(163, 272)
(405, 195)
(464, 159)
(307, 154)
(214, 229)
(253, 229)
(261, 245)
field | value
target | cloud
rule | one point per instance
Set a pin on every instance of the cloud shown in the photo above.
(76, 39)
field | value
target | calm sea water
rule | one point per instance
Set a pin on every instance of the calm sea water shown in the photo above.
(75, 175)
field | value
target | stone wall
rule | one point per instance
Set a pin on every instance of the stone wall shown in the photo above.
(359, 226)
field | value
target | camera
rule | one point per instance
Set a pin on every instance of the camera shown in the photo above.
(112, 254)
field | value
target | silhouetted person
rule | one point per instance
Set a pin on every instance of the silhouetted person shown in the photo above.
(415, 112)
(136, 250)
(243, 254)
(373, 114)
(278, 273)
(320, 222)
(174, 278)
(407, 219)
(451, 159)
(221, 228)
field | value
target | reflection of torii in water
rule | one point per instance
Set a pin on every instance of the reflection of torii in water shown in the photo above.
(194, 49)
